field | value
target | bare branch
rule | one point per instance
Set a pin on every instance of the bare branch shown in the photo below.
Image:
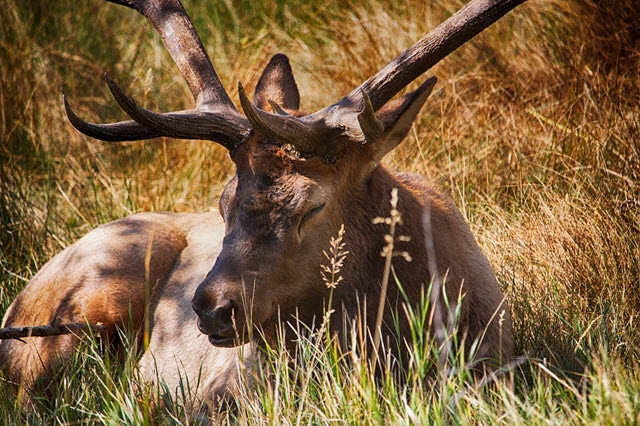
(49, 330)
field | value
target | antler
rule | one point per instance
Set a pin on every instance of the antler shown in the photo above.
(324, 133)
(214, 117)
(351, 116)
(429, 50)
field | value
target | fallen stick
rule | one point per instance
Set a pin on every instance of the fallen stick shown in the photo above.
(48, 330)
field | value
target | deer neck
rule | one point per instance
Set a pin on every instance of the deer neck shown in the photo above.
(364, 267)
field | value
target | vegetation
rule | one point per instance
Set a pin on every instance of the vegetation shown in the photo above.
(534, 130)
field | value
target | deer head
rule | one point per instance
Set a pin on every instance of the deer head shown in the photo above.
(299, 176)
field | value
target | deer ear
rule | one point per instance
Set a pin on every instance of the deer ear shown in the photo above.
(278, 85)
(397, 116)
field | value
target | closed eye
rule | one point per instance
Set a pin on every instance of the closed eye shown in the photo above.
(309, 215)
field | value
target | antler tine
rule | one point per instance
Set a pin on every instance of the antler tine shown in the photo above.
(308, 137)
(179, 36)
(114, 132)
(429, 50)
(214, 117)
(353, 116)
(188, 124)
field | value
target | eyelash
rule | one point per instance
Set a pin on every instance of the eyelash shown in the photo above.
(311, 213)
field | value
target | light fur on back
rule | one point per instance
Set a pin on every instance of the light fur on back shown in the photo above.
(101, 279)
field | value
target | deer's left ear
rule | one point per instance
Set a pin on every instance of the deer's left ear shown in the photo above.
(277, 85)
(397, 116)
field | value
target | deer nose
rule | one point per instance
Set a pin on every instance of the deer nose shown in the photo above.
(217, 323)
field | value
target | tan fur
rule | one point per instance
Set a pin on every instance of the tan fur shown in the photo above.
(299, 178)
(101, 279)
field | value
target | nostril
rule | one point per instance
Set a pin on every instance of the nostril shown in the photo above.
(218, 321)
(223, 315)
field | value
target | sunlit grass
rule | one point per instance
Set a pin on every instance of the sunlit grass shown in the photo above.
(533, 129)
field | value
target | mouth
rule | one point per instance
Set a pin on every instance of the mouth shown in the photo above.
(221, 338)
(222, 341)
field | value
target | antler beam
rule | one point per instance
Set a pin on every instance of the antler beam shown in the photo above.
(348, 114)
(465, 24)
(181, 40)
(214, 117)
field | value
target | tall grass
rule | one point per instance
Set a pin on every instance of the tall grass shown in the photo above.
(534, 130)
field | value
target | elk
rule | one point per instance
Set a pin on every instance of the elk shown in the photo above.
(201, 285)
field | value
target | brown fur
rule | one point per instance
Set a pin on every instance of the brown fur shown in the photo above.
(265, 207)
(280, 211)
(283, 207)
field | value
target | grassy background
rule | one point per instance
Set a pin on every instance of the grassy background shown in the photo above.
(534, 130)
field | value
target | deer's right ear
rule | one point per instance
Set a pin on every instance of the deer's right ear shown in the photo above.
(397, 116)
(278, 85)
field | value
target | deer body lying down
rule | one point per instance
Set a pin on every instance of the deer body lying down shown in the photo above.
(299, 178)
(104, 277)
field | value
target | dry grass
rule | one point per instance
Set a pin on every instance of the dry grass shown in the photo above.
(534, 130)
